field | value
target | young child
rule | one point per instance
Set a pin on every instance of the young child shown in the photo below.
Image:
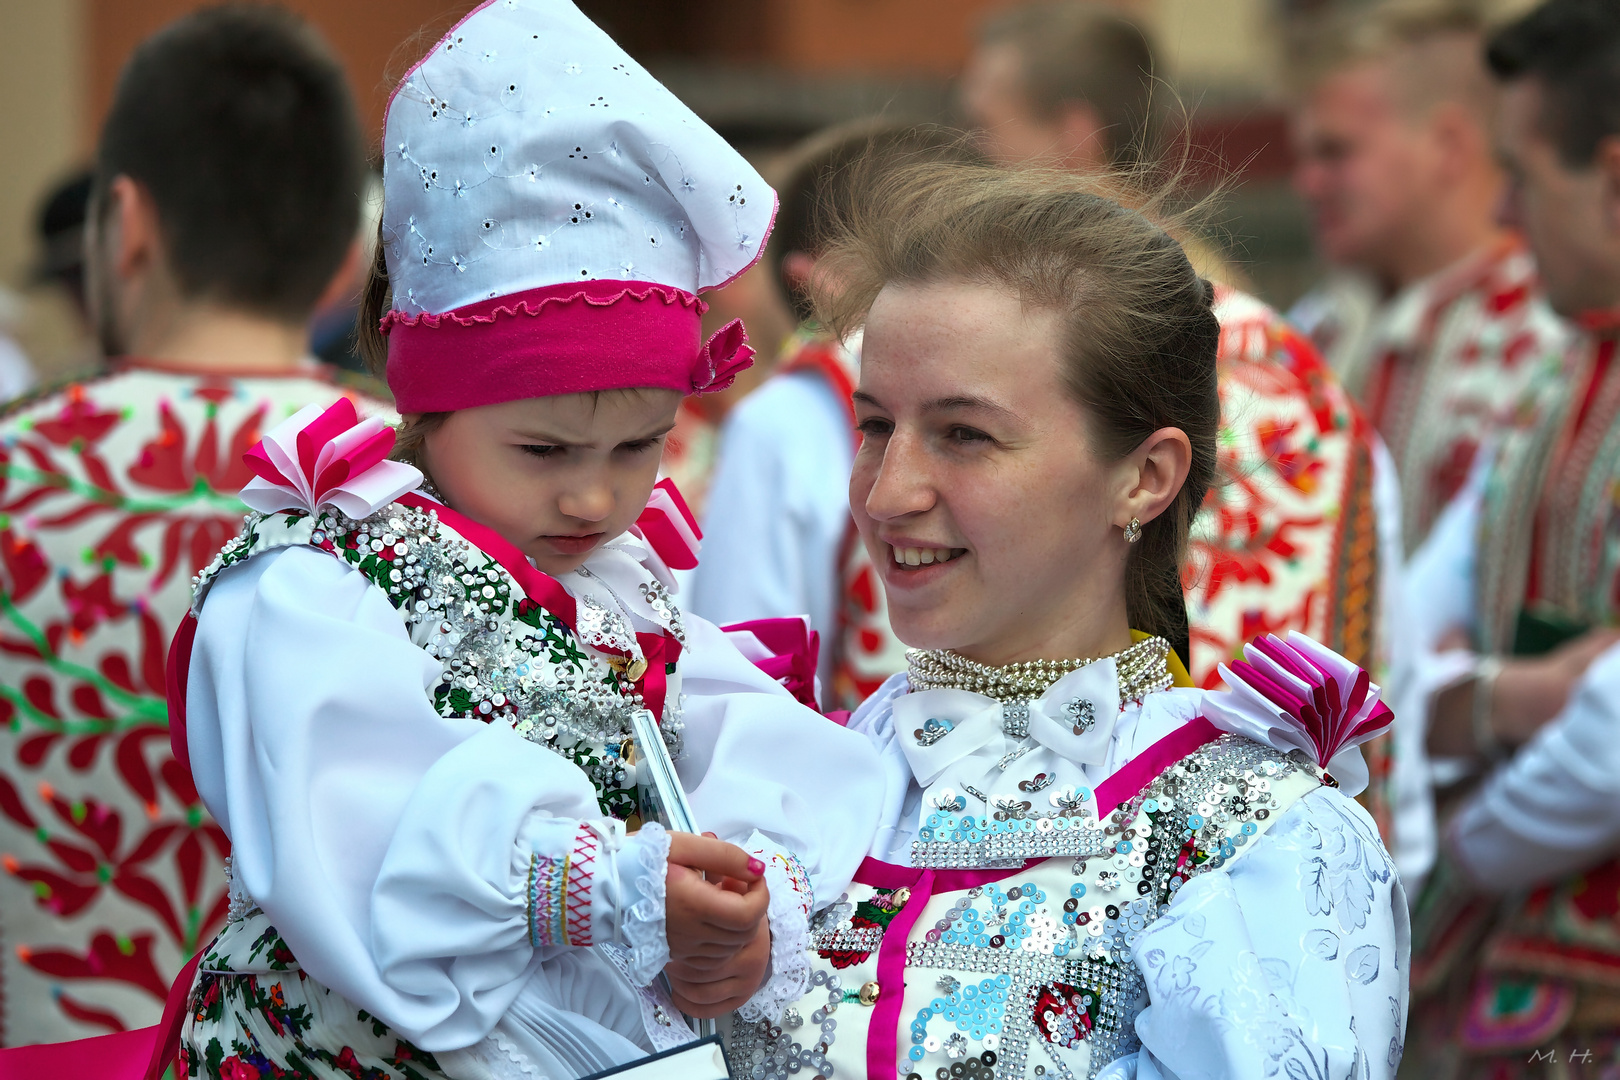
(410, 685)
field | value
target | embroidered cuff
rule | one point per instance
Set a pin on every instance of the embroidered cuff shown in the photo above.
(642, 924)
(559, 892)
(789, 914)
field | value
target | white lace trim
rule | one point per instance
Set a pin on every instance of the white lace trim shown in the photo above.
(665, 1026)
(643, 924)
(790, 942)
(525, 1067)
(494, 1057)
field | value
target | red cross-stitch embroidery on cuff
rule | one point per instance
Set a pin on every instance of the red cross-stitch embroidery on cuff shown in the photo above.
(559, 893)
(581, 869)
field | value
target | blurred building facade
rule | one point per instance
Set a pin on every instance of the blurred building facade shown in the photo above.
(764, 72)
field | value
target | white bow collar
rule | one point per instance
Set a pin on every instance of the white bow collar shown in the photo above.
(961, 744)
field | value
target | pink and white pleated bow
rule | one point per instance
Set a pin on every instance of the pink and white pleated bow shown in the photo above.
(319, 457)
(669, 527)
(1296, 694)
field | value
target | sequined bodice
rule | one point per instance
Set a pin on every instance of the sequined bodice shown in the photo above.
(1026, 971)
(503, 655)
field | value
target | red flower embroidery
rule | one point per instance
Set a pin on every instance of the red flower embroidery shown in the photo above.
(1063, 1014)
(234, 1068)
(78, 422)
(349, 1063)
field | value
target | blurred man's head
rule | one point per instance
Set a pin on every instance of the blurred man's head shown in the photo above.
(227, 177)
(818, 179)
(1062, 84)
(1558, 135)
(1391, 133)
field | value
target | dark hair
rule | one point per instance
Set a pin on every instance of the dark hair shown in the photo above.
(1077, 52)
(1141, 337)
(814, 180)
(239, 122)
(60, 229)
(1573, 48)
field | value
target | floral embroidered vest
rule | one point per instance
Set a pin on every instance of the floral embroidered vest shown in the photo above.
(974, 962)
(1557, 471)
(1508, 979)
(504, 655)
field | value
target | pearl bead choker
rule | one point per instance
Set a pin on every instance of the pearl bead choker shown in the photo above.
(1143, 669)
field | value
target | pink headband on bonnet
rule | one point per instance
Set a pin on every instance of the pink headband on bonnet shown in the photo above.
(569, 338)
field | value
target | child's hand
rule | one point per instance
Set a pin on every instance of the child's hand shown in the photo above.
(706, 994)
(714, 910)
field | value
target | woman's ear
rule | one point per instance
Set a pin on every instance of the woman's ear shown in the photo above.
(1153, 474)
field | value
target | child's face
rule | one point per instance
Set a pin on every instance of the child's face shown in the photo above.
(556, 476)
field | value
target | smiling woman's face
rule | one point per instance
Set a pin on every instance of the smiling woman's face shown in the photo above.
(555, 476)
(976, 489)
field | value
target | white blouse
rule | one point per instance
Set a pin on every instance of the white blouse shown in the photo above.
(1552, 808)
(1288, 961)
(390, 845)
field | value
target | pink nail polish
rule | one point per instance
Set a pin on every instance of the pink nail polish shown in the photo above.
(755, 866)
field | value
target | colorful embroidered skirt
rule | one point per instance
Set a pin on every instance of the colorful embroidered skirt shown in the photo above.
(256, 1016)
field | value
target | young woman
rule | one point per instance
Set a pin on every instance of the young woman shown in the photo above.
(1080, 870)
(427, 700)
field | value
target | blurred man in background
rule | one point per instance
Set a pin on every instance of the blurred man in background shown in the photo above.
(1438, 320)
(1527, 564)
(1069, 85)
(225, 197)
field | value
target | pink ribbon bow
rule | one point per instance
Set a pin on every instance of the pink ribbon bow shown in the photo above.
(669, 527)
(784, 649)
(723, 357)
(316, 458)
(1296, 694)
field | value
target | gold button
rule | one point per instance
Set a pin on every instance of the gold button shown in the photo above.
(901, 896)
(869, 993)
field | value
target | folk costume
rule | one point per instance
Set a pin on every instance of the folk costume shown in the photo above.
(1082, 872)
(1290, 540)
(1527, 557)
(1438, 367)
(114, 492)
(424, 750)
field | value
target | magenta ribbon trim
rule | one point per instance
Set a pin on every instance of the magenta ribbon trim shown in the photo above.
(576, 337)
(883, 1034)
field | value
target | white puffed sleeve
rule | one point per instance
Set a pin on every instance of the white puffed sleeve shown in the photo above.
(783, 781)
(1554, 808)
(1436, 596)
(1292, 961)
(421, 866)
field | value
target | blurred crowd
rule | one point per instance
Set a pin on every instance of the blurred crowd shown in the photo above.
(1421, 460)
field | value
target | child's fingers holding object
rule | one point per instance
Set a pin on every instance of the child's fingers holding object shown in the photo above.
(716, 859)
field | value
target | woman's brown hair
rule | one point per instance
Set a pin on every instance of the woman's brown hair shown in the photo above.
(1140, 336)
